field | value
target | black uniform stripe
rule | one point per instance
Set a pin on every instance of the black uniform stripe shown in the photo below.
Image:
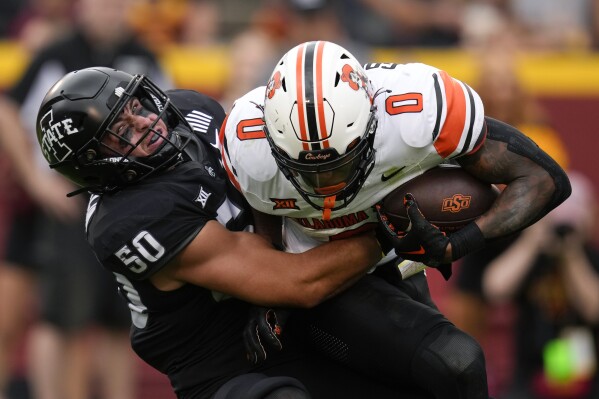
(439, 96)
(471, 126)
(309, 95)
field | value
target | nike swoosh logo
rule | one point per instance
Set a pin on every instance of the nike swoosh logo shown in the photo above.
(387, 177)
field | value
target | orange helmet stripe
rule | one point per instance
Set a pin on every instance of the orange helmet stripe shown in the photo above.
(319, 95)
(299, 77)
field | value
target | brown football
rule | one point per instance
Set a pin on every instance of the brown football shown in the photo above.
(447, 196)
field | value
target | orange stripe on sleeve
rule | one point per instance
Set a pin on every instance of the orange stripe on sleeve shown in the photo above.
(455, 98)
(221, 137)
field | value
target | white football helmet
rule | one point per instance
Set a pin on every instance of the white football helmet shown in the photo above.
(320, 122)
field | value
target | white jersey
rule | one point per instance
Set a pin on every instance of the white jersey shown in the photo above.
(424, 118)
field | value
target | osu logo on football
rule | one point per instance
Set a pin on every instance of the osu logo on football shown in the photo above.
(456, 203)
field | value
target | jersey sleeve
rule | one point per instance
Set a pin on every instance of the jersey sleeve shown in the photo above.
(137, 231)
(459, 118)
(245, 151)
(427, 107)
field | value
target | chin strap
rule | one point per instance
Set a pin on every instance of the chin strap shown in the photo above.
(329, 203)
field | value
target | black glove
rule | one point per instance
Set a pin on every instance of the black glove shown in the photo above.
(264, 328)
(424, 242)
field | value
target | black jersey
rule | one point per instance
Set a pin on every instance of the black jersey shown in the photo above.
(190, 334)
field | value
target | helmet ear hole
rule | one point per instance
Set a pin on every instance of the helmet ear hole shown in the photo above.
(90, 155)
(130, 175)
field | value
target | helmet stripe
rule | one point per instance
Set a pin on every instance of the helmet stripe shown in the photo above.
(299, 77)
(319, 98)
(310, 100)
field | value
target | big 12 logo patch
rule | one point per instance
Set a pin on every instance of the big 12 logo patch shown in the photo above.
(53, 134)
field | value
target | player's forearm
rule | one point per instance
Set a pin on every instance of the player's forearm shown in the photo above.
(249, 268)
(329, 269)
(518, 205)
(337, 265)
(306, 279)
(535, 184)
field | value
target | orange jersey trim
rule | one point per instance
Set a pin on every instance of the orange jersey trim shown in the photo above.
(455, 120)
(221, 138)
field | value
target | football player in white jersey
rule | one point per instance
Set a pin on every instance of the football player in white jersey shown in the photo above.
(327, 139)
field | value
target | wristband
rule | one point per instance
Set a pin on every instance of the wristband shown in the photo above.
(466, 240)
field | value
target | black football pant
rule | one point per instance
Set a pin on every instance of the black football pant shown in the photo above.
(394, 332)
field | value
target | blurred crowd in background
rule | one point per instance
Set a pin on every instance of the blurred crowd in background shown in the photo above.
(539, 24)
(532, 301)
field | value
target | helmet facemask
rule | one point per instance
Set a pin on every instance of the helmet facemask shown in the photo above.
(115, 158)
(149, 100)
(321, 174)
(320, 122)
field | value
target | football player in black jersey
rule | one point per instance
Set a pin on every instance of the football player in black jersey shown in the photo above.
(164, 219)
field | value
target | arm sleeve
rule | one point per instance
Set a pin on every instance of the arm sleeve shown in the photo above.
(520, 144)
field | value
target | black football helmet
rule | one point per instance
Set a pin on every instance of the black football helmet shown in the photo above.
(79, 111)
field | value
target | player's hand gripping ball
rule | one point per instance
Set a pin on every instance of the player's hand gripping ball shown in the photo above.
(448, 197)
(419, 216)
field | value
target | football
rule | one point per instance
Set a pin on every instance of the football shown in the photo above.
(447, 196)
